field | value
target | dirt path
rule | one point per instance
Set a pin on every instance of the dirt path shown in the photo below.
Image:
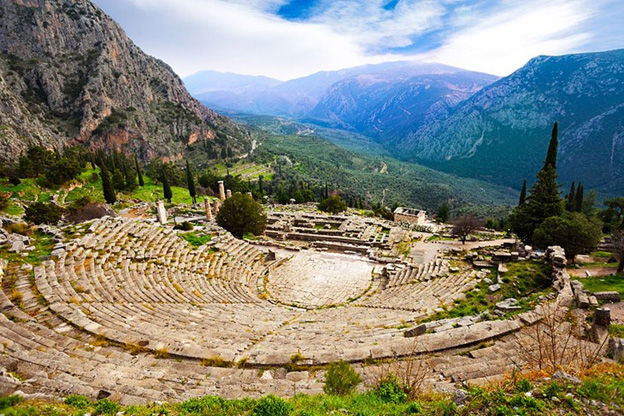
(423, 252)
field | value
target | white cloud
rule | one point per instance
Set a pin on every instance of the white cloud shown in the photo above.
(213, 34)
(506, 40)
(245, 36)
(375, 28)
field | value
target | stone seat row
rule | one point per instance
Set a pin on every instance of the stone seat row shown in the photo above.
(423, 297)
(54, 364)
(421, 272)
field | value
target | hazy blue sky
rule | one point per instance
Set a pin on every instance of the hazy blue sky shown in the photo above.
(290, 38)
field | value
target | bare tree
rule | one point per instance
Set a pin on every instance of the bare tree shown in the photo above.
(464, 225)
(618, 248)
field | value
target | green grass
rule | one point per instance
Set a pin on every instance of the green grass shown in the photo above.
(509, 398)
(152, 191)
(246, 170)
(601, 254)
(616, 330)
(606, 283)
(195, 239)
(525, 281)
(14, 209)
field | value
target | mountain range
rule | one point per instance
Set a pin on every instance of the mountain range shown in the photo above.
(501, 133)
(468, 123)
(69, 74)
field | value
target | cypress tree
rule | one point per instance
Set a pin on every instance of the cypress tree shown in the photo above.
(551, 156)
(578, 199)
(107, 186)
(139, 174)
(190, 182)
(523, 193)
(570, 198)
(544, 200)
(166, 187)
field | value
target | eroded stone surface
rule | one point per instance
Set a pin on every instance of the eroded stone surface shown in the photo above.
(315, 279)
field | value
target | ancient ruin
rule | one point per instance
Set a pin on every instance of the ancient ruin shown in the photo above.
(118, 299)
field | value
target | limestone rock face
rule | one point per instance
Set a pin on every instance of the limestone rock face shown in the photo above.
(68, 73)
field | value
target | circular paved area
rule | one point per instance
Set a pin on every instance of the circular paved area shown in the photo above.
(313, 279)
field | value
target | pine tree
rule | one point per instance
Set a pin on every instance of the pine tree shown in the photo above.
(107, 186)
(139, 174)
(166, 187)
(570, 198)
(190, 182)
(523, 193)
(551, 156)
(578, 199)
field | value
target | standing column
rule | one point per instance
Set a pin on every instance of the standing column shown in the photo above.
(161, 212)
(221, 191)
(208, 209)
(228, 194)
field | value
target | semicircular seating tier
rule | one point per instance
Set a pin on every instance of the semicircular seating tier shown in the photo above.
(139, 284)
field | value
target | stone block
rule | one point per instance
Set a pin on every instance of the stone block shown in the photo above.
(616, 349)
(610, 296)
(494, 288)
(414, 332)
(582, 300)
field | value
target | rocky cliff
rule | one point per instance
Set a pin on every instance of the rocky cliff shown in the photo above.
(69, 74)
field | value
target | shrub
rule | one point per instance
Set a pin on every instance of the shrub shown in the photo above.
(573, 231)
(240, 214)
(43, 213)
(272, 406)
(9, 401)
(17, 228)
(414, 408)
(523, 385)
(552, 389)
(334, 204)
(391, 390)
(77, 401)
(203, 405)
(15, 180)
(341, 378)
(106, 407)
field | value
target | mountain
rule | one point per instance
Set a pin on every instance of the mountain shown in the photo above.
(392, 102)
(301, 96)
(502, 132)
(211, 81)
(69, 74)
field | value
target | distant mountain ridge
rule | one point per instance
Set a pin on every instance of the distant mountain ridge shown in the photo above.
(501, 133)
(390, 104)
(298, 97)
(69, 74)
